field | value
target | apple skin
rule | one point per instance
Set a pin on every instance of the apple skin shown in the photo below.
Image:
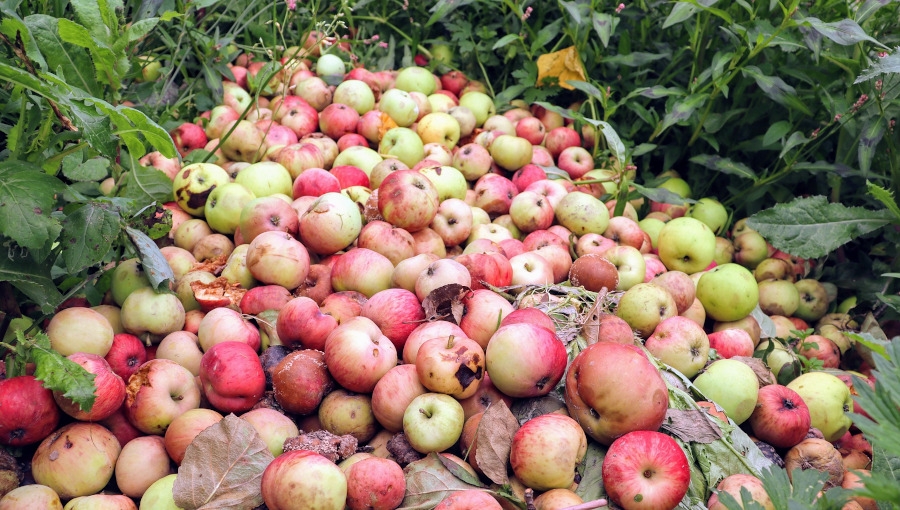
(142, 461)
(184, 429)
(393, 393)
(454, 366)
(182, 347)
(346, 413)
(29, 412)
(159, 392)
(600, 396)
(376, 484)
(781, 417)
(469, 498)
(272, 426)
(680, 343)
(302, 475)
(358, 354)
(731, 384)
(485, 309)
(232, 377)
(160, 494)
(276, 258)
(646, 470)
(80, 329)
(828, 399)
(76, 460)
(226, 325)
(686, 244)
(301, 323)
(734, 485)
(731, 342)
(728, 292)
(433, 422)
(545, 451)
(396, 312)
(362, 270)
(109, 389)
(644, 306)
(525, 360)
(27, 497)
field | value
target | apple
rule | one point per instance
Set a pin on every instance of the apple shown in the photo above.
(731, 384)
(453, 366)
(126, 355)
(232, 376)
(246, 143)
(396, 312)
(212, 247)
(525, 360)
(301, 380)
(141, 462)
(473, 160)
(190, 232)
(728, 292)
(646, 469)
(680, 343)
(530, 268)
(404, 144)
(160, 494)
(781, 417)
(303, 475)
(750, 248)
(358, 354)
(276, 258)
(736, 484)
(267, 213)
(582, 213)
(224, 204)
(731, 342)
(330, 224)
(127, 277)
(828, 400)
(345, 413)
(77, 460)
(29, 414)
(813, 299)
(711, 212)
(393, 393)
(80, 329)
(193, 184)
(545, 451)
(510, 152)
(559, 138)
(439, 273)
(362, 270)
(376, 484)
(433, 422)
(157, 393)
(686, 244)
(301, 323)
(680, 285)
(453, 221)
(600, 394)
(26, 497)
(557, 498)
(480, 104)
(426, 331)
(183, 429)
(109, 390)
(778, 297)
(408, 199)
(227, 325)
(644, 306)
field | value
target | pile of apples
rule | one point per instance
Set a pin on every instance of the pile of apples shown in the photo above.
(307, 250)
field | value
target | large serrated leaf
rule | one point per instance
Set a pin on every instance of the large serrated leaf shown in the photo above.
(91, 170)
(153, 132)
(147, 184)
(65, 376)
(885, 65)
(103, 58)
(884, 196)
(155, 265)
(29, 277)
(74, 62)
(12, 26)
(724, 165)
(27, 196)
(88, 234)
(811, 227)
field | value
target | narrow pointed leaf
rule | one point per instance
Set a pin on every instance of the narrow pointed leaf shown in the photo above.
(724, 165)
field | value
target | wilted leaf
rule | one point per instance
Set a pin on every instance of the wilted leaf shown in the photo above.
(223, 467)
(460, 472)
(493, 440)
(811, 227)
(763, 374)
(564, 65)
(691, 426)
(156, 267)
(446, 303)
(590, 471)
(428, 482)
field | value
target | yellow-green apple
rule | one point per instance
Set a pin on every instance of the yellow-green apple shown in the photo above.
(644, 306)
(357, 354)
(480, 104)
(213, 246)
(78, 459)
(779, 358)
(265, 178)
(646, 469)
(531, 211)
(246, 142)
(813, 299)
(711, 212)
(781, 417)
(393, 393)
(101, 501)
(80, 329)
(828, 399)
(26, 497)
(303, 475)
(680, 343)
(160, 494)
(439, 273)
(736, 484)
(680, 285)
(404, 144)
(652, 227)
(439, 127)
(30, 413)
(126, 355)
(750, 249)
(232, 377)
(301, 380)
(582, 213)
(466, 119)
(600, 399)
(236, 96)
(183, 347)
(127, 277)
(190, 232)
(557, 498)
(433, 422)
(724, 251)
(399, 106)
(427, 331)
(774, 269)
(276, 258)
(355, 94)
(227, 325)
(473, 160)
(530, 268)
(499, 123)
(146, 311)
(408, 199)
(451, 365)
(525, 360)
(346, 413)
(142, 461)
(511, 152)
(731, 384)
(778, 297)
(362, 270)
(359, 156)
(416, 79)
(157, 393)
(407, 271)
(375, 483)
(180, 260)
(731, 342)
(686, 244)
(728, 292)
(545, 451)
(109, 389)
(448, 181)
(224, 204)
(330, 224)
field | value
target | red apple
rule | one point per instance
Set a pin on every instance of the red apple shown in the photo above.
(780, 417)
(397, 312)
(393, 393)
(184, 429)
(157, 393)
(358, 354)
(525, 360)
(646, 469)
(109, 390)
(29, 412)
(301, 380)
(232, 377)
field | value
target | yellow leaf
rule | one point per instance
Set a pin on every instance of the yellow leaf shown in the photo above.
(564, 65)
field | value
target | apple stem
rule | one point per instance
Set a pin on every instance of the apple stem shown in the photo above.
(450, 342)
(590, 505)
(426, 413)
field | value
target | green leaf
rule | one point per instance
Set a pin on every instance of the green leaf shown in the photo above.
(661, 195)
(68, 61)
(724, 165)
(812, 227)
(88, 234)
(576, 10)
(29, 277)
(27, 197)
(65, 376)
(139, 29)
(590, 487)
(681, 111)
(886, 65)
(884, 196)
(158, 137)
(871, 134)
(656, 92)
(155, 265)
(93, 169)
(506, 39)
(796, 138)
(845, 32)
(682, 11)
(777, 89)
(612, 138)
(636, 58)
(147, 184)
(605, 25)
(776, 132)
(442, 8)
(103, 58)
(868, 8)
(12, 25)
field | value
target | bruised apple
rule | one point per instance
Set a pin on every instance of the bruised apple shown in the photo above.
(546, 450)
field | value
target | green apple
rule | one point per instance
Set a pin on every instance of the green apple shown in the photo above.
(415, 79)
(778, 297)
(676, 184)
(731, 384)
(686, 244)
(439, 127)
(399, 106)
(127, 277)
(828, 400)
(450, 182)
(193, 184)
(159, 496)
(711, 212)
(511, 152)
(480, 104)
(652, 226)
(266, 178)
(728, 292)
(813, 299)
(361, 157)
(433, 422)
(582, 213)
(404, 144)
(224, 205)
(644, 306)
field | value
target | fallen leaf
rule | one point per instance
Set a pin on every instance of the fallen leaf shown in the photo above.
(563, 65)
(428, 482)
(691, 426)
(223, 467)
(763, 374)
(493, 440)
(590, 473)
(445, 302)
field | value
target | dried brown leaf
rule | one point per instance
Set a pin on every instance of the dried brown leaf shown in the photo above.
(564, 65)
(223, 467)
(763, 374)
(691, 426)
(445, 302)
(428, 482)
(493, 440)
